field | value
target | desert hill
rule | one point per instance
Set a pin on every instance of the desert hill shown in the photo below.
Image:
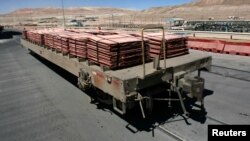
(204, 9)
(69, 11)
(220, 2)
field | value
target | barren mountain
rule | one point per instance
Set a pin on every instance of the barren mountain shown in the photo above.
(220, 2)
(54, 15)
(195, 10)
(69, 11)
(204, 9)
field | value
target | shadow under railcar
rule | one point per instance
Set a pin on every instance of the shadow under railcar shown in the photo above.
(162, 113)
(8, 34)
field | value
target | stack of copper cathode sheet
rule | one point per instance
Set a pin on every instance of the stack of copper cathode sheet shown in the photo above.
(99, 32)
(175, 45)
(35, 36)
(49, 36)
(57, 43)
(48, 40)
(65, 43)
(25, 36)
(115, 51)
(60, 42)
(78, 45)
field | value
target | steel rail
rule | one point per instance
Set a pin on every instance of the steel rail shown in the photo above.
(171, 133)
(230, 76)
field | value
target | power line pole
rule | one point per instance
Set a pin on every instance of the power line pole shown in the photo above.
(63, 15)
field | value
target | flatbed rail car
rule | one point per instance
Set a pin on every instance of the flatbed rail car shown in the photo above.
(126, 87)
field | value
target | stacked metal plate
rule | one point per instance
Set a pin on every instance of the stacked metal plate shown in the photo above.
(115, 51)
(99, 32)
(175, 45)
(77, 30)
(52, 38)
(35, 36)
(64, 43)
(112, 50)
(59, 41)
(78, 45)
(24, 35)
(49, 39)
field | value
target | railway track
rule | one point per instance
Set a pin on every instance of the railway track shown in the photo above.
(171, 133)
(177, 136)
(218, 70)
(216, 120)
(231, 73)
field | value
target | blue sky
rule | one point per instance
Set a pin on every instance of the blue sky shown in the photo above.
(10, 5)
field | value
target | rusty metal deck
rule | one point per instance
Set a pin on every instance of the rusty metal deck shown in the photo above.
(179, 64)
(188, 62)
(119, 83)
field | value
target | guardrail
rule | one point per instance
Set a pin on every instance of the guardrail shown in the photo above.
(212, 34)
(235, 47)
